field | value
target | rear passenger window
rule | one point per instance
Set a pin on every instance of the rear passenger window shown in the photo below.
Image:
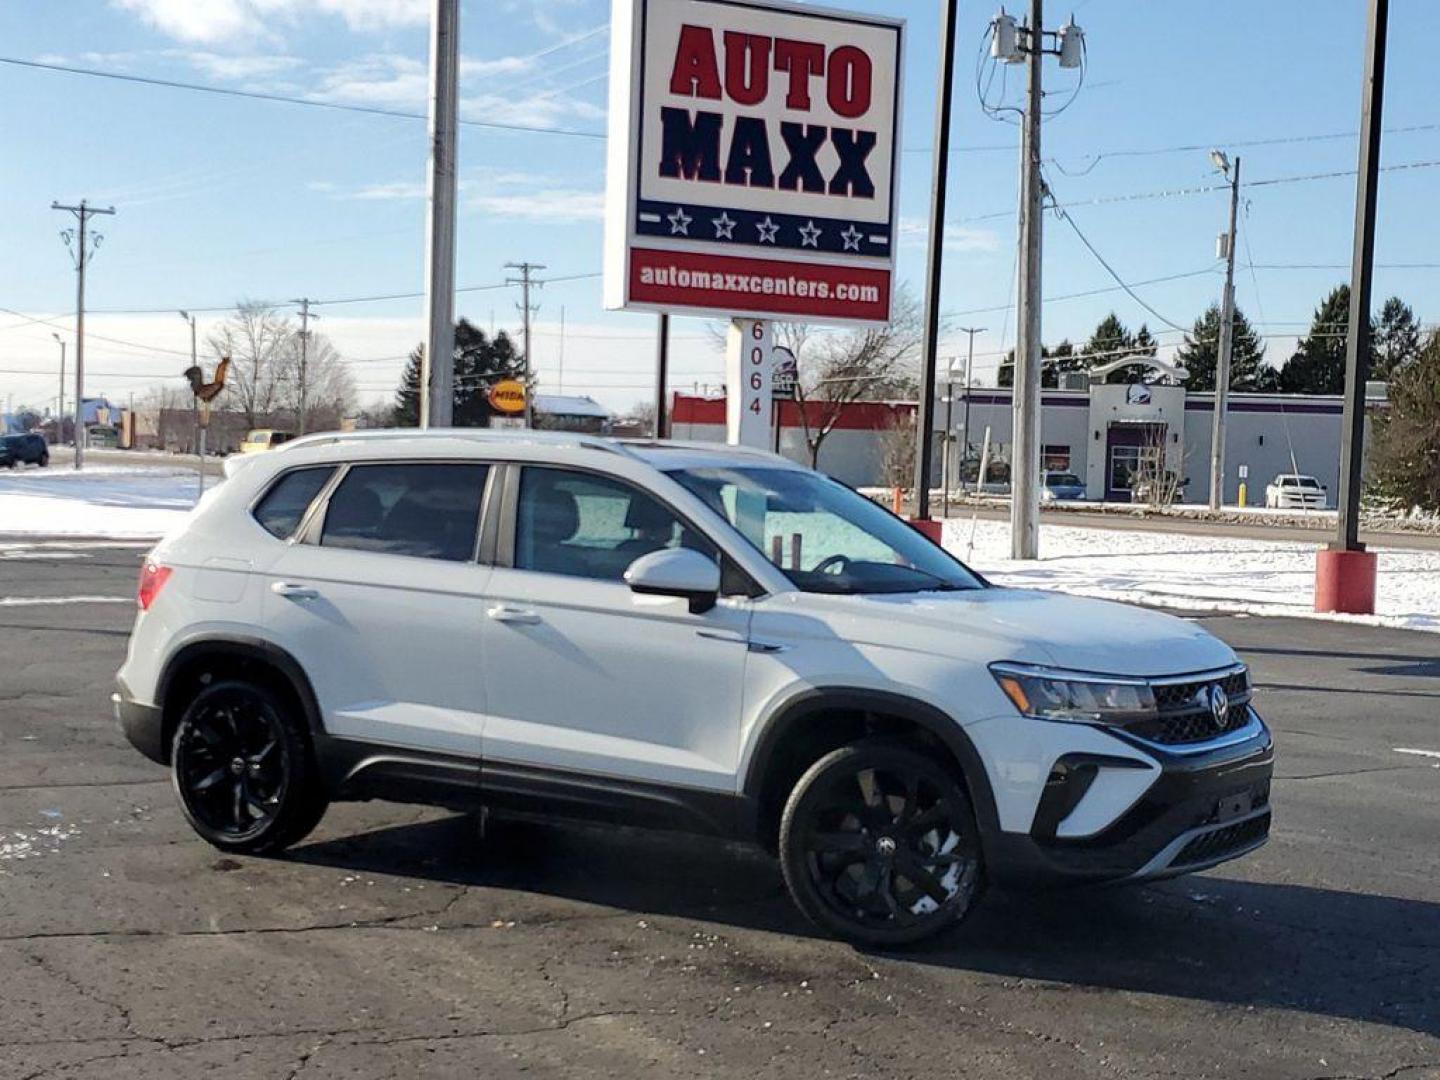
(283, 506)
(591, 526)
(426, 511)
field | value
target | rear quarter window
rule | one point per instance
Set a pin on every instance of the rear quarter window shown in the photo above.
(427, 511)
(283, 507)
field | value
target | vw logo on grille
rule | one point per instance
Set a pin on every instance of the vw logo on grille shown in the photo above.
(1219, 703)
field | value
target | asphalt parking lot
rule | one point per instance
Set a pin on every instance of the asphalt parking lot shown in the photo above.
(397, 943)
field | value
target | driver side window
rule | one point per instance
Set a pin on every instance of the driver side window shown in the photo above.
(582, 525)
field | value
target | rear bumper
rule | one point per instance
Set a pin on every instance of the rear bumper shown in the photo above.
(1205, 808)
(143, 725)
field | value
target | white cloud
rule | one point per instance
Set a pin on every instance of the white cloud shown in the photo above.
(214, 21)
(386, 79)
(914, 232)
(558, 206)
(398, 189)
(218, 66)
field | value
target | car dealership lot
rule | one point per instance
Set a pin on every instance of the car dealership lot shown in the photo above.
(395, 941)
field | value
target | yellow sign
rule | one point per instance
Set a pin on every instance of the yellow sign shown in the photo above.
(508, 396)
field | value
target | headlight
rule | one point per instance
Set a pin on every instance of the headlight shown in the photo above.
(1047, 694)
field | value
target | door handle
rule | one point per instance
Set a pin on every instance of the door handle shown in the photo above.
(723, 635)
(292, 591)
(502, 613)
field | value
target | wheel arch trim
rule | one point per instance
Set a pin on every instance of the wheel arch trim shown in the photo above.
(248, 648)
(805, 705)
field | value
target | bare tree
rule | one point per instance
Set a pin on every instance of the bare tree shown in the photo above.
(329, 388)
(897, 450)
(1154, 483)
(257, 338)
(873, 364)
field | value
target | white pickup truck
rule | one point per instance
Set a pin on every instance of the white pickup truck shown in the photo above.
(1292, 491)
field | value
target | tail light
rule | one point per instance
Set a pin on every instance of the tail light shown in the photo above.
(152, 578)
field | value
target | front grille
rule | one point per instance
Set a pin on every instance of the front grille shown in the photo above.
(1184, 712)
(1221, 842)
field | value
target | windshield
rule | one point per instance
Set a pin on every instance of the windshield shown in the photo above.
(823, 536)
(1063, 479)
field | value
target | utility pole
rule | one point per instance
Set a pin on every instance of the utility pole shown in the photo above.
(939, 175)
(662, 376)
(560, 375)
(82, 254)
(303, 373)
(60, 402)
(1013, 45)
(437, 396)
(1025, 448)
(525, 281)
(1226, 344)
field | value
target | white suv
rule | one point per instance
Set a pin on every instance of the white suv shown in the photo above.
(692, 636)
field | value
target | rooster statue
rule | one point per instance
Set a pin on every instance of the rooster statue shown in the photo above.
(200, 388)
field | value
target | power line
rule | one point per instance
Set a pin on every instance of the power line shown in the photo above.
(260, 95)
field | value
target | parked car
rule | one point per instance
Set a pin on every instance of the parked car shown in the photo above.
(1061, 486)
(264, 439)
(1294, 491)
(27, 449)
(699, 637)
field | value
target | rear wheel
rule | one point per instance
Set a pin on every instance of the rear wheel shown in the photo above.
(878, 845)
(44, 460)
(242, 766)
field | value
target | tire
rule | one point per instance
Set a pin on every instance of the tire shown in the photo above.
(879, 846)
(44, 461)
(242, 766)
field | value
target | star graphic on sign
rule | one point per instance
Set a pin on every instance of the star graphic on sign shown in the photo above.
(724, 226)
(767, 230)
(679, 222)
(810, 235)
(851, 237)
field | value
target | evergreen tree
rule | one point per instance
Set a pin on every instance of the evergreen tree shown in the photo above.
(1318, 365)
(1201, 349)
(1110, 341)
(1405, 455)
(1397, 338)
(479, 363)
(1062, 355)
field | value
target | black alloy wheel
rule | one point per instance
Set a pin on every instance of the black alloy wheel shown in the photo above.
(242, 769)
(878, 844)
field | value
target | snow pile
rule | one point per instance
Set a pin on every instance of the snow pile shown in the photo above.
(1197, 573)
(102, 500)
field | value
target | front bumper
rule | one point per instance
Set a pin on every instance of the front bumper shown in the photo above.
(1208, 805)
(143, 725)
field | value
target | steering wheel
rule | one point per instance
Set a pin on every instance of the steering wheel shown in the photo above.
(840, 564)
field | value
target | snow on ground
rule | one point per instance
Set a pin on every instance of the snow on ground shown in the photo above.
(1197, 573)
(112, 501)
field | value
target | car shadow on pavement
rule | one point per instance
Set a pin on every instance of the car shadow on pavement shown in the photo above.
(1208, 938)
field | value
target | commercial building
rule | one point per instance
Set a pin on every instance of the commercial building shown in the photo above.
(1104, 433)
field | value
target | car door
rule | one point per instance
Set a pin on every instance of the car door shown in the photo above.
(585, 678)
(382, 602)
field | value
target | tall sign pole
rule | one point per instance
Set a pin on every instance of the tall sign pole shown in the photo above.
(751, 173)
(939, 172)
(1345, 571)
(437, 396)
(1223, 353)
(662, 376)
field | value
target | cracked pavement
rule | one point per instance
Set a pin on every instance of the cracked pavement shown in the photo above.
(397, 942)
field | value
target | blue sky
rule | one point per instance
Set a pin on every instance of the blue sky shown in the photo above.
(223, 198)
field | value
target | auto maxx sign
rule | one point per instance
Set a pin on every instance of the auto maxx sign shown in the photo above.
(752, 160)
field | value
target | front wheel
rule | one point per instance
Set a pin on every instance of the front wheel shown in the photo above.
(44, 461)
(878, 845)
(242, 767)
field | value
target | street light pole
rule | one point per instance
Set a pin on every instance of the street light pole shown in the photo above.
(970, 331)
(1225, 346)
(60, 403)
(195, 409)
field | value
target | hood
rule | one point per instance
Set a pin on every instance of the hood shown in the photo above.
(1031, 626)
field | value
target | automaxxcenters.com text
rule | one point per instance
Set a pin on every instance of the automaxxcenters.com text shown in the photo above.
(729, 283)
(757, 284)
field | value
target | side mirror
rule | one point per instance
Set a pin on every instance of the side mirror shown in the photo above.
(678, 572)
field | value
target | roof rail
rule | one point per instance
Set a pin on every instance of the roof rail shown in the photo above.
(707, 444)
(520, 437)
